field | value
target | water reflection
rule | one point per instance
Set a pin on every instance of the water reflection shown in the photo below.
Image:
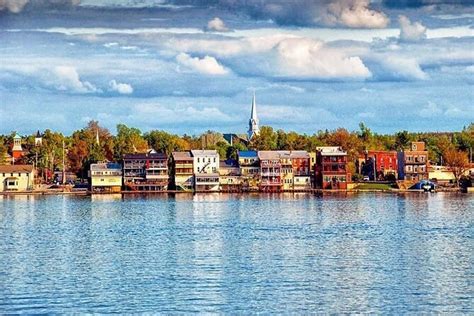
(373, 253)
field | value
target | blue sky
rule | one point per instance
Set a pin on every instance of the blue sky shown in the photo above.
(189, 66)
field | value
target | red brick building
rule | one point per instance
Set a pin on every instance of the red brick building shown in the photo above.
(379, 164)
(331, 168)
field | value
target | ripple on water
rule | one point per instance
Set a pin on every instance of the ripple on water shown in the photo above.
(370, 253)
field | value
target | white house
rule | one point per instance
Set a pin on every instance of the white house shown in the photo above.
(206, 170)
(16, 177)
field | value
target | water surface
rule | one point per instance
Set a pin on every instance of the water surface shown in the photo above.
(295, 253)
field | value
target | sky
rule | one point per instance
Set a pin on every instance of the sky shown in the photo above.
(188, 66)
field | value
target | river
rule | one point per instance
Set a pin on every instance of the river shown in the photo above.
(283, 253)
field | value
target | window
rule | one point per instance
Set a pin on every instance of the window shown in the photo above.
(198, 159)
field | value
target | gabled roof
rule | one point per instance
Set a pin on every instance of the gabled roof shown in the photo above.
(248, 154)
(331, 151)
(106, 166)
(199, 152)
(16, 168)
(229, 163)
(267, 154)
(182, 155)
(152, 156)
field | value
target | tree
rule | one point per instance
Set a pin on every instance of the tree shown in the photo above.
(128, 140)
(165, 142)
(265, 140)
(402, 140)
(457, 161)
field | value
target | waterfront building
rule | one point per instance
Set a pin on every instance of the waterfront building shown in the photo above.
(286, 170)
(206, 170)
(182, 171)
(253, 121)
(145, 172)
(379, 165)
(249, 170)
(331, 168)
(270, 171)
(441, 175)
(106, 177)
(17, 149)
(16, 177)
(412, 164)
(229, 176)
(301, 165)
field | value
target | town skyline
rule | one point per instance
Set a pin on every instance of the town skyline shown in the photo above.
(192, 66)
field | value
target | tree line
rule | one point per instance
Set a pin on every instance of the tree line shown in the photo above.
(95, 143)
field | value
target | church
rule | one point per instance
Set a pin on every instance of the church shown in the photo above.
(253, 128)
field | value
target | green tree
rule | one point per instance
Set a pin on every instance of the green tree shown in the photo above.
(265, 140)
(128, 140)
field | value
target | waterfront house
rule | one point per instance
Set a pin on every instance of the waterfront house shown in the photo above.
(412, 164)
(441, 175)
(106, 177)
(206, 170)
(145, 172)
(331, 168)
(379, 165)
(182, 173)
(286, 171)
(16, 177)
(229, 176)
(270, 171)
(301, 165)
(249, 170)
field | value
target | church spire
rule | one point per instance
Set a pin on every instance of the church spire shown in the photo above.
(253, 122)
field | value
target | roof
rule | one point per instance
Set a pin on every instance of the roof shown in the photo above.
(331, 151)
(106, 166)
(16, 136)
(294, 154)
(38, 135)
(267, 154)
(182, 155)
(199, 152)
(248, 154)
(16, 168)
(229, 163)
(146, 156)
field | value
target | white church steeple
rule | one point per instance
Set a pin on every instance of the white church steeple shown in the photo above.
(253, 122)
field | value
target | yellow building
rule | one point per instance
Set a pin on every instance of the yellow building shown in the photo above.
(441, 174)
(106, 177)
(16, 177)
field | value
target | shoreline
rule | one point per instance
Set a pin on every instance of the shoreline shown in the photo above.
(172, 192)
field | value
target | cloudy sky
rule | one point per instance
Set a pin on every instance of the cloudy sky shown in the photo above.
(187, 66)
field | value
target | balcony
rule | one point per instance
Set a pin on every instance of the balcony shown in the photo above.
(270, 174)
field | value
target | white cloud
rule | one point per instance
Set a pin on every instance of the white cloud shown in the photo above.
(401, 68)
(14, 6)
(303, 57)
(67, 78)
(122, 88)
(206, 65)
(411, 31)
(217, 25)
(354, 13)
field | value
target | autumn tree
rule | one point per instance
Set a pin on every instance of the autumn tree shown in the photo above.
(457, 161)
